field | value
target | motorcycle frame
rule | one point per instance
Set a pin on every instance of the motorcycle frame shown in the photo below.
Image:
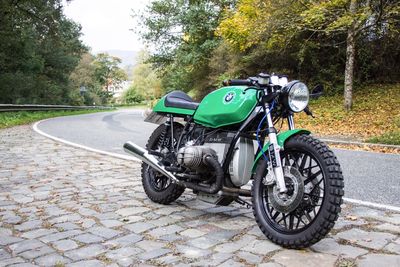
(259, 109)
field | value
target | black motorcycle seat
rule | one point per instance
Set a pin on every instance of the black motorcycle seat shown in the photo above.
(179, 99)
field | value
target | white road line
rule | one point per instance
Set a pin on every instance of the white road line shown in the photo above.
(116, 155)
(371, 204)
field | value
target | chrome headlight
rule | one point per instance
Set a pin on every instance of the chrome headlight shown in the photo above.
(296, 96)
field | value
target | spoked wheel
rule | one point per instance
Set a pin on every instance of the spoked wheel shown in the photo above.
(309, 209)
(158, 187)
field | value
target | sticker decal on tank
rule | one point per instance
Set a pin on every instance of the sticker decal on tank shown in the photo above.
(229, 97)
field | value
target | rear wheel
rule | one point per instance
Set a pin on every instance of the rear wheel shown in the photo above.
(315, 188)
(158, 187)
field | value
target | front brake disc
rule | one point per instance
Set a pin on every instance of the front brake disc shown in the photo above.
(288, 202)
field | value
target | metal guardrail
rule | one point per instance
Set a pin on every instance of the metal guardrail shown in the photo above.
(12, 107)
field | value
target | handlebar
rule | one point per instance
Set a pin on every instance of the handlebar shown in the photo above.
(246, 82)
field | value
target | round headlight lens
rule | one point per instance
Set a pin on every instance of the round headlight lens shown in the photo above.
(298, 97)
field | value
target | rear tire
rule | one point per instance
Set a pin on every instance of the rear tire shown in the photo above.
(156, 186)
(317, 214)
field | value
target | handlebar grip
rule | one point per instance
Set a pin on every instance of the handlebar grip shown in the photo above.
(237, 82)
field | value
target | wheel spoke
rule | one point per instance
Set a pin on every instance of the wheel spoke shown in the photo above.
(303, 163)
(275, 215)
(291, 221)
(312, 177)
(308, 216)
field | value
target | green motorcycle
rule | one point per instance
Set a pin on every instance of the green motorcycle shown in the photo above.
(217, 146)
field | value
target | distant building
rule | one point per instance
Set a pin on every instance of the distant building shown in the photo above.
(117, 90)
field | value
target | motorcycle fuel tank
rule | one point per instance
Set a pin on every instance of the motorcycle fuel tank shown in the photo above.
(226, 106)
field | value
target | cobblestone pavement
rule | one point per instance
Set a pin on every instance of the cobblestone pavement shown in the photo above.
(62, 206)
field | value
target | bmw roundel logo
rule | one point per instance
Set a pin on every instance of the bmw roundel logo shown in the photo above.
(229, 96)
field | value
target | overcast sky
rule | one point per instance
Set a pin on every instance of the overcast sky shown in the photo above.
(106, 23)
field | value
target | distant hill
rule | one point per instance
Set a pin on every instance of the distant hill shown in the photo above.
(127, 57)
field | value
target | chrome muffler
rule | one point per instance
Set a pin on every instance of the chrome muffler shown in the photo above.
(151, 160)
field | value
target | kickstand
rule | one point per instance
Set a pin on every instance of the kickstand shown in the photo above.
(243, 202)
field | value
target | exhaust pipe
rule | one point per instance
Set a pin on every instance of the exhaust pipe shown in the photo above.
(152, 161)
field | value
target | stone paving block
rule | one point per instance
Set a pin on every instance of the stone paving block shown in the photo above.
(11, 261)
(132, 211)
(171, 229)
(111, 223)
(153, 254)
(86, 252)
(203, 242)
(125, 252)
(230, 263)
(249, 257)
(88, 238)
(139, 227)
(192, 233)
(88, 263)
(329, 245)
(124, 240)
(373, 260)
(148, 245)
(87, 223)
(296, 258)
(4, 254)
(26, 264)
(38, 233)
(373, 240)
(36, 252)
(387, 227)
(66, 226)
(192, 252)
(269, 264)
(6, 240)
(5, 231)
(51, 260)
(261, 247)
(64, 245)
(104, 232)
(214, 259)
(25, 245)
(393, 247)
(29, 225)
(61, 235)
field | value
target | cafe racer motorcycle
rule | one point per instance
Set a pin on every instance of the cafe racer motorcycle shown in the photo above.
(217, 146)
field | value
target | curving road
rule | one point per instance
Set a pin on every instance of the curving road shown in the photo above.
(369, 176)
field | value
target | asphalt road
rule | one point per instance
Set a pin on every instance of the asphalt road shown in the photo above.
(369, 176)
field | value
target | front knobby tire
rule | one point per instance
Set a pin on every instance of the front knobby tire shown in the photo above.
(307, 224)
(156, 186)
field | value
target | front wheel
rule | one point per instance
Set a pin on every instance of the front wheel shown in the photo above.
(311, 206)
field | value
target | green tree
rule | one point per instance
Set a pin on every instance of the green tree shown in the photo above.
(306, 35)
(39, 48)
(107, 71)
(146, 85)
(182, 34)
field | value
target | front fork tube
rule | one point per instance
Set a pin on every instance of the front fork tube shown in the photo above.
(274, 155)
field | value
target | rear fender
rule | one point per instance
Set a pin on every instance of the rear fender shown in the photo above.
(282, 137)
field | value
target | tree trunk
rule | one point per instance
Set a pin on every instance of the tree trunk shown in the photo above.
(350, 55)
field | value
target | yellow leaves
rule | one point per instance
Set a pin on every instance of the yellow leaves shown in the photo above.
(242, 28)
(374, 113)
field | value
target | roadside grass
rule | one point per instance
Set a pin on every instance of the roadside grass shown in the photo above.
(10, 119)
(375, 116)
